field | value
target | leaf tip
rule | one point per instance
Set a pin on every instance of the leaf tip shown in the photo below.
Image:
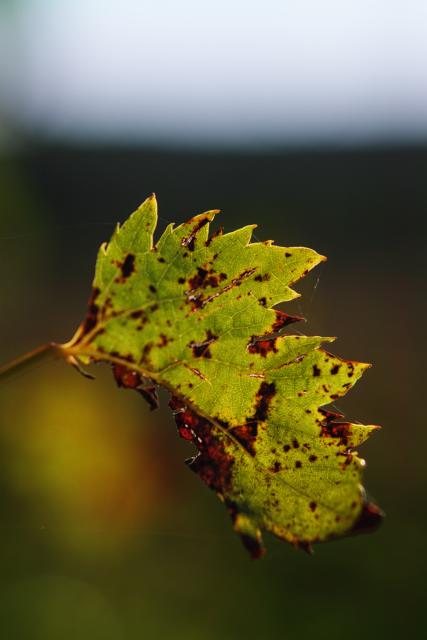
(369, 518)
(250, 535)
(150, 201)
(328, 339)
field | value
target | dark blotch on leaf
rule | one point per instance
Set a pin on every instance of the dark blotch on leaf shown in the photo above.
(125, 377)
(92, 314)
(262, 278)
(212, 464)
(265, 394)
(246, 435)
(341, 430)
(283, 320)
(218, 232)
(189, 240)
(197, 281)
(201, 349)
(203, 279)
(128, 265)
(164, 340)
(131, 379)
(262, 347)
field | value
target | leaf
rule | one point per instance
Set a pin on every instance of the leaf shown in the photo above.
(194, 313)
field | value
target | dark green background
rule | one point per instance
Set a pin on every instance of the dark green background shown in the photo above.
(81, 555)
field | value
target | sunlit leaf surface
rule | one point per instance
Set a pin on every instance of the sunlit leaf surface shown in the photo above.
(195, 313)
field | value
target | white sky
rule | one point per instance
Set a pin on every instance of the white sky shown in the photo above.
(217, 71)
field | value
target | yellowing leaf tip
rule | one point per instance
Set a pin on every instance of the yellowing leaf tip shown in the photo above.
(151, 201)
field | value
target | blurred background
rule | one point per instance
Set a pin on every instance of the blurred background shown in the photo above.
(306, 117)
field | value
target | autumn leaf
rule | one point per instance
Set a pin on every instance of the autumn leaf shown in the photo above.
(195, 313)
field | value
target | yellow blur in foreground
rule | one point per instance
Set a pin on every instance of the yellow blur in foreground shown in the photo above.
(79, 458)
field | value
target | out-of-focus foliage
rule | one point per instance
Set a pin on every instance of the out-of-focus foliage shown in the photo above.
(88, 474)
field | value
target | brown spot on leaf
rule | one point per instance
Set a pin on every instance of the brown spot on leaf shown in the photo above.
(330, 416)
(125, 377)
(197, 281)
(146, 350)
(164, 340)
(197, 301)
(127, 267)
(190, 239)
(264, 396)
(262, 278)
(203, 279)
(213, 464)
(316, 370)
(335, 369)
(92, 314)
(201, 349)
(131, 379)
(283, 320)
(216, 234)
(246, 434)
(138, 313)
(332, 429)
(262, 347)
(313, 506)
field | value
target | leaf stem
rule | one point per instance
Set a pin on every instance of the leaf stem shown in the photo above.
(30, 358)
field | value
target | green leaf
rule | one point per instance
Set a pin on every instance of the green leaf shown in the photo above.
(195, 314)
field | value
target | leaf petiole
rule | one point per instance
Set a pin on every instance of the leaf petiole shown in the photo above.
(32, 357)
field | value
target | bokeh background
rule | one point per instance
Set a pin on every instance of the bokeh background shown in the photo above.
(307, 117)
